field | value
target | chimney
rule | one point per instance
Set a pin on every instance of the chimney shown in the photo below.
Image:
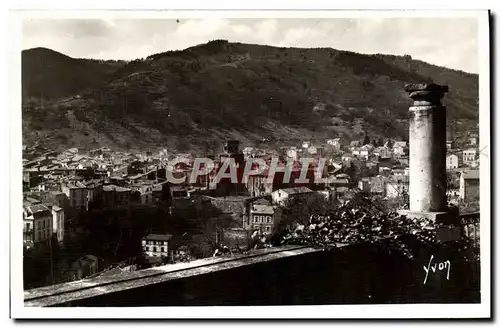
(427, 137)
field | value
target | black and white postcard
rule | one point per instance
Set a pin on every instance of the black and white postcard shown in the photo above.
(250, 164)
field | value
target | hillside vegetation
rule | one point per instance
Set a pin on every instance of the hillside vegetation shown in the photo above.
(194, 98)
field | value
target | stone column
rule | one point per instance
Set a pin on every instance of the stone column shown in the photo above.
(427, 149)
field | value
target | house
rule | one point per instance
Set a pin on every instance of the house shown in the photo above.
(94, 190)
(116, 196)
(347, 158)
(473, 140)
(76, 193)
(281, 196)
(178, 192)
(398, 173)
(312, 150)
(262, 218)
(306, 144)
(364, 151)
(354, 144)
(338, 182)
(452, 161)
(156, 245)
(355, 151)
(377, 185)
(470, 155)
(397, 186)
(400, 148)
(320, 151)
(292, 153)
(364, 185)
(249, 152)
(469, 185)
(384, 170)
(382, 152)
(334, 142)
(258, 184)
(37, 225)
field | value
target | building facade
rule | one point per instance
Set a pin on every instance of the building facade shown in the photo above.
(156, 245)
(262, 218)
(469, 186)
(37, 225)
(452, 161)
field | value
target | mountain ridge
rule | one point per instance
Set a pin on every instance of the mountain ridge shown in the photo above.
(193, 98)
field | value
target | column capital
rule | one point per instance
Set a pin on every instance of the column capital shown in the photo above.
(426, 94)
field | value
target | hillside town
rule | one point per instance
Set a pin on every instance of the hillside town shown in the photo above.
(138, 218)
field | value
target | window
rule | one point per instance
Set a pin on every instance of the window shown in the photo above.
(38, 237)
(255, 219)
(268, 228)
(268, 220)
(28, 226)
(154, 249)
(43, 224)
(162, 249)
(147, 248)
(164, 243)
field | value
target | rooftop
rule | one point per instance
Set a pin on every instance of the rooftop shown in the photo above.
(262, 209)
(296, 190)
(115, 188)
(470, 174)
(163, 237)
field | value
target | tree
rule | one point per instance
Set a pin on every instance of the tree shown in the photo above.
(298, 210)
(366, 140)
(380, 142)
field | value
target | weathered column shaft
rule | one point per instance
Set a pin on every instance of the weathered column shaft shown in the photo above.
(427, 148)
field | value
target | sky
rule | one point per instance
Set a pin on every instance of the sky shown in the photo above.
(448, 42)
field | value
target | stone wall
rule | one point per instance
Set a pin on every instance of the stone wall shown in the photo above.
(357, 274)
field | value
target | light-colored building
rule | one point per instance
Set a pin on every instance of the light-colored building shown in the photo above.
(470, 156)
(354, 144)
(262, 218)
(335, 142)
(347, 158)
(156, 245)
(452, 161)
(292, 153)
(400, 148)
(364, 153)
(469, 185)
(37, 225)
(383, 152)
(312, 150)
(281, 196)
(397, 187)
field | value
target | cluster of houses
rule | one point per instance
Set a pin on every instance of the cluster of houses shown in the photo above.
(58, 186)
